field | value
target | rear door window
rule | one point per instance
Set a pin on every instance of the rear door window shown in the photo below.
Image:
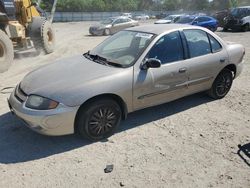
(198, 42)
(215, 45)
(202, 19)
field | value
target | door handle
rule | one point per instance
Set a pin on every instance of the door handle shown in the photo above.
(182, 70)
(223, 60)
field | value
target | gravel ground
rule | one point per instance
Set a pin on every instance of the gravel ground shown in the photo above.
(191, 142)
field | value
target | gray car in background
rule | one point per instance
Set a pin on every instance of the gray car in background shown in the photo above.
(112, 25)
(169, 19)
(134, 69)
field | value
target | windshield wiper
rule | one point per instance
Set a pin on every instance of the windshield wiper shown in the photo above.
(114, 64)
(96, 58)
(87, 55)
(99, 59)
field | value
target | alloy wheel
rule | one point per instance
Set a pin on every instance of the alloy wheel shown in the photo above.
(102, 121)
(223, 85)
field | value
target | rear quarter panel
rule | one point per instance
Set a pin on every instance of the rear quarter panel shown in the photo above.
(236, 53)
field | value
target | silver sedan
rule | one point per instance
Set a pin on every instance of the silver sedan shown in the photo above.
(136, 68)
(112, 25)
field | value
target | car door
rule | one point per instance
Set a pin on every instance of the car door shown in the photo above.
(116, 26)
(126, 23)
(206, 58)
(120, 24)
(201, 21)
(155, 86)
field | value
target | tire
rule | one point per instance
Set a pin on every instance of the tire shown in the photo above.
(225, 29)
(106, 32)
(245, 27)
(45, 41)
(6, 52)
(98, 120)
(212, 28)
(222, 85)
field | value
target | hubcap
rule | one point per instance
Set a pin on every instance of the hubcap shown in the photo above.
(50, 37)
(102, 121)
(223, 85)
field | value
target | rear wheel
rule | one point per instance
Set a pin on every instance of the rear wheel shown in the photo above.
(214, 29)
(225, 29)
(6, 52)
(221, 85)
(98, 119)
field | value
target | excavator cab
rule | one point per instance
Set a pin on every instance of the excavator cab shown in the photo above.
(23, 23)
(7, 7)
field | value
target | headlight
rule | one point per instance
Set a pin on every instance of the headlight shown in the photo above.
(40, 103)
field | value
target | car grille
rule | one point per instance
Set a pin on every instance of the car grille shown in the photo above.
(20, 94)
(92, 29)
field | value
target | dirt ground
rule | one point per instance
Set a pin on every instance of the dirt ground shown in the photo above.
(191, 142)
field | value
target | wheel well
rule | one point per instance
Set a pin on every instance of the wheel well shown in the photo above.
(116, 98)
(232, 68)
(2, 27)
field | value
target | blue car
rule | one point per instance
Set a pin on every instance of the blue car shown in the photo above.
(203, 21)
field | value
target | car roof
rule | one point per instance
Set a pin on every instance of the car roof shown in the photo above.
(172, 15)
(160, 28)
(243, 7)
(118, 17)
(176, 15)
(189, 16)
(196, 16)
(206, 17)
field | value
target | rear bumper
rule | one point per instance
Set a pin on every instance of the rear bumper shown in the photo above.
(56, 122)
(239, 69)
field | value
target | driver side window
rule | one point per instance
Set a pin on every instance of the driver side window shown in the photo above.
(167, 49)
(118, 21)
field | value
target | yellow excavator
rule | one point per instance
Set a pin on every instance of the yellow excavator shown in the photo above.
(23, 22)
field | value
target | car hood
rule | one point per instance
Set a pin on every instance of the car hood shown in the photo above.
(66, 76)
(163, 21)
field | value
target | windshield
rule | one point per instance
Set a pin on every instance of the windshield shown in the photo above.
(168, 18)
(185, 20)
(239, 12)
(123, 48)
(107, 21)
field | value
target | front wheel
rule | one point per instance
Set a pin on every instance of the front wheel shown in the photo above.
(221, 85)
(6, 52)
(245, 28)
(98, 119)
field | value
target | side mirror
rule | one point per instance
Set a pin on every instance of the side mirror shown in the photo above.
(151, 63)
(195, 22)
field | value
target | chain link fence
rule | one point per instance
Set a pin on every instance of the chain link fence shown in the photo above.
(96, 16)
